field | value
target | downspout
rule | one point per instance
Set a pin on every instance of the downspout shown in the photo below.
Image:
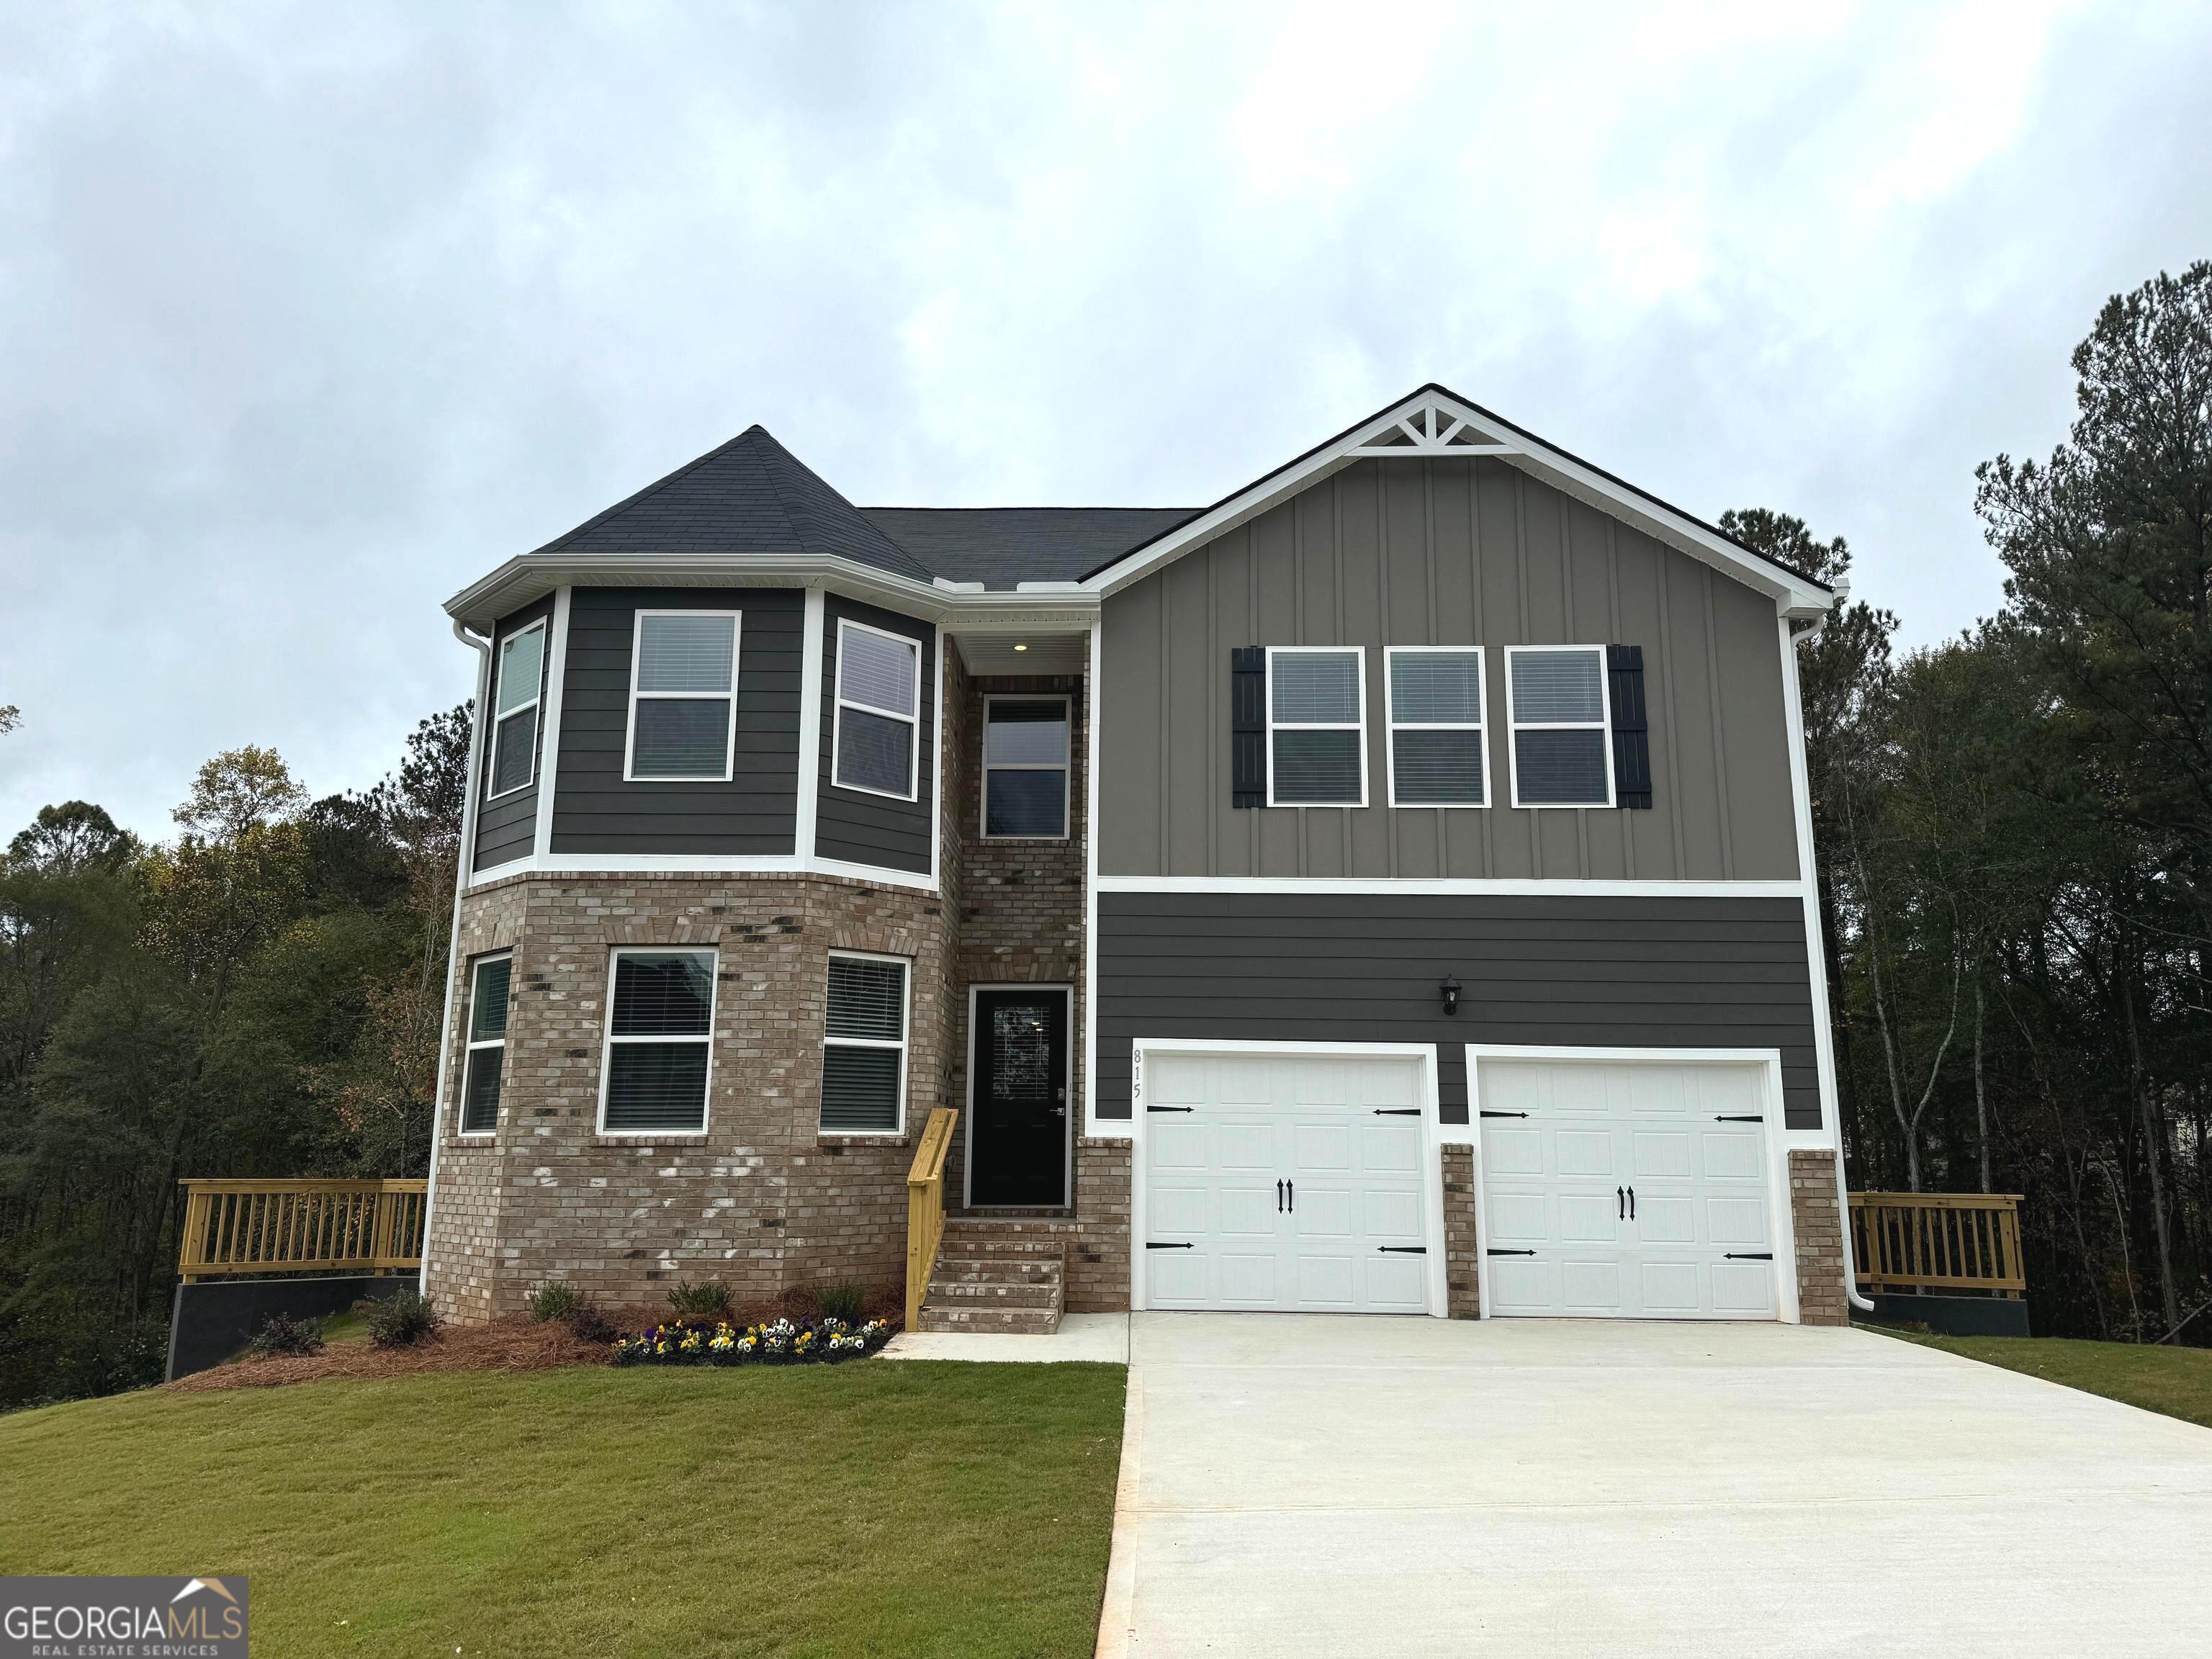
(463, 855)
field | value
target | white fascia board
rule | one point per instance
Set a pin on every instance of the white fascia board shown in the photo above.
(1509, 887)
(532, 575)
(1791, 596)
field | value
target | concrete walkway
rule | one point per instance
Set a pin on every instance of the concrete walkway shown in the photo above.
(1296, 1485)
(1103, 1338)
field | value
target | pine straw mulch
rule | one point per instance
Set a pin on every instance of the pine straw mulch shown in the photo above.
(516, 1343)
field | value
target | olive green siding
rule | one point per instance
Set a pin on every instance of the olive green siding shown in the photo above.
(1443, 552)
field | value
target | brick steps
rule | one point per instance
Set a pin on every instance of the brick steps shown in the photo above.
(1006, 1276)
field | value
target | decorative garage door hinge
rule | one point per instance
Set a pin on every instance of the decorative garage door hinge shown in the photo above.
(1505, 1114)
(1171, 1108)
(1749, 1255)
(1739, 1117)
(1397, 1111)
(1509, 1253)
(1151, 1245)
(1403, 1250)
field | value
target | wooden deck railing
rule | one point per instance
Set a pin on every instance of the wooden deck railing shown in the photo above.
(1937, 1241)
(925, 1208)
(245, 1227)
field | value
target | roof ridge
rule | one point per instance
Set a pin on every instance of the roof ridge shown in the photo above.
(654, 488)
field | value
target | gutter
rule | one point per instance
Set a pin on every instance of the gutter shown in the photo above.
(463, 855)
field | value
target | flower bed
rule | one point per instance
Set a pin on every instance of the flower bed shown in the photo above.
(782, 1342)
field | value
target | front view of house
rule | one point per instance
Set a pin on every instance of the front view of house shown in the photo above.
(1386, 890)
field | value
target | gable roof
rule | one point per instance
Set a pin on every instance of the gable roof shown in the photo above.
(1002, 546)
(1435, 420)
(750, 495)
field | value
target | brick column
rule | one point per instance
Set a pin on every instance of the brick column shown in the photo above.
(1098, 1265)
(1463, 1250)
(1815, 1214)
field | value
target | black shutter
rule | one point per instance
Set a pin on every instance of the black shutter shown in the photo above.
(1631, 731)
(1247, 725)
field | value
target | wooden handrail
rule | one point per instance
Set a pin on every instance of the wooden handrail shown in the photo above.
(1940, 1241)
(244, 1227)
(925, 1208)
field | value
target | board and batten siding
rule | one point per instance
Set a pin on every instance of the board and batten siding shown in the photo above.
(755, 812)
(506, 828)
(1573, 970)
(1443, 552)
(852, 825)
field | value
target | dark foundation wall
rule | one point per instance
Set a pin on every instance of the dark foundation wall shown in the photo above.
(1659, 972)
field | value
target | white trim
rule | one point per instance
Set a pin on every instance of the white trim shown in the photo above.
(686, 864)
(1432, 1212)
(1359, 653)
(985, 766)
(549, 770)
(810, 726)
(913, 720)
(1480, 727)
(1518, 448)
(470, 1044)
(1067, 1103)
(936, 758)
(608, 1039)
(636, 659)
(1515, 726)
(906, 1038)
(537, 698)
(1502, 886)
(1769, 1061)
(1089, 998)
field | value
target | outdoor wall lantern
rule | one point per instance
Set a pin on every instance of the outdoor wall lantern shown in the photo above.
(1450, 989)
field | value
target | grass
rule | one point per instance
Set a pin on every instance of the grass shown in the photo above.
(2174, 1382)
(889, 1507)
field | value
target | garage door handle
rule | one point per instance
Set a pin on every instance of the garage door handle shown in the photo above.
(1171, 1108)
(1632, 1203)
(1279, 1197)
(1749, 1255)
(1739, 1117)
(1151, 1245)
(1403, 1249)
(1397, 1111)
(1619, 1205)
(1505, 1114)
(1509, 1253)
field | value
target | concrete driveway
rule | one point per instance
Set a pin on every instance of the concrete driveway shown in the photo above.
(1298, 1485)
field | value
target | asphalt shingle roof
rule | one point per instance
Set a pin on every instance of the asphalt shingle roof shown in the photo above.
(1000, 546)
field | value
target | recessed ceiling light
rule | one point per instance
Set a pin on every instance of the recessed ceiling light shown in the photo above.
(1021, 648)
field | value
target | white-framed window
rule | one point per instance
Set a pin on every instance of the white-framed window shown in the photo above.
(659, 1053)
(1557, 703)
(514, 710)
(1025, 768)
(1316, 725)
(1433, 704)
(683, 698)
(863, 1045)
(488, 983)
(878, 717)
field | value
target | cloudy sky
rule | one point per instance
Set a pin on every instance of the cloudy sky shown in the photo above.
(309, 315)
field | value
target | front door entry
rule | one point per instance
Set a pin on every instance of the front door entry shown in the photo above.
(1017, 1131)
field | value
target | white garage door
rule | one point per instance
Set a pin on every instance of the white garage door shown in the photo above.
(1285, 1182)
(1626, 1191)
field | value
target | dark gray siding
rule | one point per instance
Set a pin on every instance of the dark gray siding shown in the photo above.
(507, 828)
(1659, 972)
(850, 824)
(756, 812)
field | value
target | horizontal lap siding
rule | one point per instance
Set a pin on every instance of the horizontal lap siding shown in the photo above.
(850, 824)
(506, 828)
(1565, 971)
(756, 813)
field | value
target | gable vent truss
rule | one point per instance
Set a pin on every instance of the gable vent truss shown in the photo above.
(1430, 430)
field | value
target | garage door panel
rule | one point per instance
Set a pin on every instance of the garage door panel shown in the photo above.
(1391, 1148)
(1179, 1279)
(1514, 1150)
(1584, 1151)
(1727, 1088)
(1518, 1219)
(1730, 1157)
(1243, 1212)
(1518, 1285)
(1589, 1217)
(1662, 1154)
(1324, 1283)
(1323, 1212)
(1590, 1287)
(1177, 1144)
(1320, 1146)
(1181, 1210)
(1665, 1220)
(1735, 1223)
(1248, 1278)
(1396, 1284)
(1659, 1091)
(1668, 1288)
(1241, 1146)
(1743, 1290)
(1176, 1080)
(1390, 1217)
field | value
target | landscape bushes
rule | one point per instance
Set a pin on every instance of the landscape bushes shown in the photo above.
(780, 1342)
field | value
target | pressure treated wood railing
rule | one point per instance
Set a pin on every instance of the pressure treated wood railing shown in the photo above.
(925, 1208)
(245, 1227)
(1937, 1241)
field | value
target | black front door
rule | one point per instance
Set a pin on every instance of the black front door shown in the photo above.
(1017, 1140)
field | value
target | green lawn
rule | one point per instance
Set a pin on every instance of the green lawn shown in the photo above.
(2176, 1382)
(892, 1507)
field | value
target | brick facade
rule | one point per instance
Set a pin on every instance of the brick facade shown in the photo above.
(1098, 1264)
(1463, 1253)
(1817, 1218)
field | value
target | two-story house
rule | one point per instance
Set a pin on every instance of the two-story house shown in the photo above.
(1387, 889)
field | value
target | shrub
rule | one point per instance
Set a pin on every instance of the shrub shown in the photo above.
(399, 1322)
(590, 1325)
(556, 1301)
(282, 1333)
(844, 1300)
(705, 1300)
(695, 1342)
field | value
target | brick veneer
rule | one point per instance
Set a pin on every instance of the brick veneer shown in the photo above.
(762, 1200)
(1463, 1254)
(1098, 1264)
(1817, 1219)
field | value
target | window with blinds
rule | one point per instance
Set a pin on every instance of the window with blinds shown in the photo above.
(1556, 704)
(878, 711)
(1433, 696)
(683, 698)
(1316, 725)
(1025, 769)
(514, 711)
(487, 1045)
(863, 1045)
(660, 1025)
